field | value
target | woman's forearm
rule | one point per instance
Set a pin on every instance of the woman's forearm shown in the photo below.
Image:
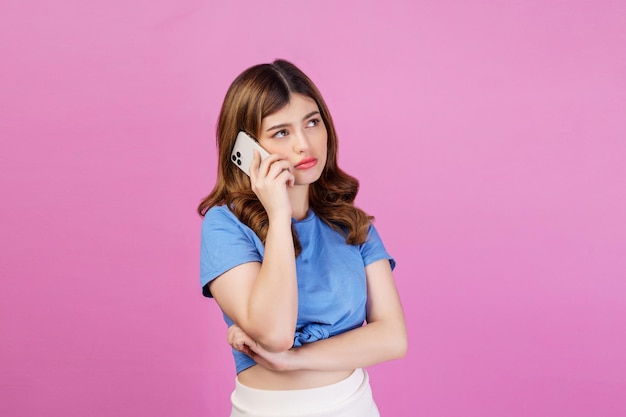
(273, 302)
(368, 345)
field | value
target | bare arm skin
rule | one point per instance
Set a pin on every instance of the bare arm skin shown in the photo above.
(383, 338)
(262, 298)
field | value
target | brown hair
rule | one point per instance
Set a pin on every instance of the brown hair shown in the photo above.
(258, 92)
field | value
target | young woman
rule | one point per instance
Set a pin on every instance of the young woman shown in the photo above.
(296, 268)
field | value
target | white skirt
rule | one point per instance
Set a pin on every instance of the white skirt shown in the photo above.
(351, 397)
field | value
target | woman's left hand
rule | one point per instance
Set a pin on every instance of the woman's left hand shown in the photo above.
(274, 361)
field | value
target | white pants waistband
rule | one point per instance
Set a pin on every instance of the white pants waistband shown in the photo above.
(347, 398)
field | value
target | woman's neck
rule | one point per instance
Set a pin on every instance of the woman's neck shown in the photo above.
(299, 199)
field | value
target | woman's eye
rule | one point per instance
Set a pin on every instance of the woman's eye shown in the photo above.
(313, 122)
(280, 134)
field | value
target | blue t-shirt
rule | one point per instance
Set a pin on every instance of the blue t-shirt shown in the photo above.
(332, 290)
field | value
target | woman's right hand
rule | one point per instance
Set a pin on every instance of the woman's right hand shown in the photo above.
(269, 180)
(275, 361)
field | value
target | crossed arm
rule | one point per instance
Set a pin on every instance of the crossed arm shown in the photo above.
(382, 338)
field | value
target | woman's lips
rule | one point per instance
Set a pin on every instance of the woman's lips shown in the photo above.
(306, 163)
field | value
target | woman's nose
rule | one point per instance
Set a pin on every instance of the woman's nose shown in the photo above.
(301, 142)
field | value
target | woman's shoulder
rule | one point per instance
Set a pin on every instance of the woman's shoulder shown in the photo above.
(218, 215)
(219, 212)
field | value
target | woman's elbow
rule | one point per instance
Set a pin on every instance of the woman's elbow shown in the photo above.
(275, 337)
(275, 342)
(402, 346)
(399, 345)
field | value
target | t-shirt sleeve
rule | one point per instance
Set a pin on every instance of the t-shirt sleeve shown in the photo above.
(374, 250)
(225, 243)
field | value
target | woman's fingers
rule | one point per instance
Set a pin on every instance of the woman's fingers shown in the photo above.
(287, 177)
(272, 168)
(261, 168)
(254, 165)
(269, 180)
(238, 339)
(241, 342)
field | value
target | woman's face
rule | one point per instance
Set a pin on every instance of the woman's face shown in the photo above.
(297, 132)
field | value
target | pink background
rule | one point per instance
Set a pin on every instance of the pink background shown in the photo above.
(489, 138)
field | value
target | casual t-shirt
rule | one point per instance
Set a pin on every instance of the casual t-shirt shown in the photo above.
(332, 290)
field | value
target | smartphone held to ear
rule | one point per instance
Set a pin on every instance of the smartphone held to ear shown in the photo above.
(243, 151)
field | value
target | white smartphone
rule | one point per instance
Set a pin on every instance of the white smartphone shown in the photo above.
(243, 151)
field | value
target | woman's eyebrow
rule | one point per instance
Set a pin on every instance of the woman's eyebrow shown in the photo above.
(310, 114)
(279, 126)
(282, 125)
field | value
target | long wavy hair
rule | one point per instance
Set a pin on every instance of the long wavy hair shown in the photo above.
(258, 92)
